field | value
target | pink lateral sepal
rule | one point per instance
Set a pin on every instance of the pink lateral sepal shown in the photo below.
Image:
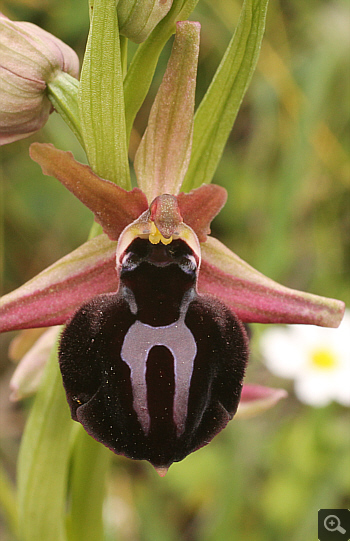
(257, 299)
(53, 296)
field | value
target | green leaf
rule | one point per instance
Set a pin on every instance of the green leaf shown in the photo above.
(43, 461)
(101, 97)
(218, 110)
(91, 462)
(141, 70)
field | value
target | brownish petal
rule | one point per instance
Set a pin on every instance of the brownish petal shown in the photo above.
(114, 208)
(200, 206)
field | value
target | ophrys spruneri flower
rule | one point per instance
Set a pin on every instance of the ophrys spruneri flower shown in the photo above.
(154, 352)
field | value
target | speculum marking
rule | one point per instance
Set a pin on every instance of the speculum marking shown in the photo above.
(138, 342)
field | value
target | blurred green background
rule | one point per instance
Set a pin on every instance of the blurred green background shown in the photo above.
(287, 171)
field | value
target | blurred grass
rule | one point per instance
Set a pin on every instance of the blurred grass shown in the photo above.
(287, 171)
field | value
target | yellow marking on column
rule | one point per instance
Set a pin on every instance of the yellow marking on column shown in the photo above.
(155, 236)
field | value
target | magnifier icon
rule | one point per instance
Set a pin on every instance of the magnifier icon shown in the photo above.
(332, 524)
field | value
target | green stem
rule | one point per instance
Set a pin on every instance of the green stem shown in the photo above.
(90, 464)
(8, 502)
(43, 461)
(63, 94)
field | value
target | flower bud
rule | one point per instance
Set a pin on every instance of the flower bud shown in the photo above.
(137, 18)
(29, 59)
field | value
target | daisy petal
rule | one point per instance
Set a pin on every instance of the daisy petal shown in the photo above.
(256, 298)
(114, 207)
(52, 296)
(317, 359)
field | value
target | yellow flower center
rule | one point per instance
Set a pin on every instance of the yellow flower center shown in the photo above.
(323, 359)
(155, 235)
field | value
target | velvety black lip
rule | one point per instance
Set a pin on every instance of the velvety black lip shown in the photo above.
(90, 363)
(155, 370)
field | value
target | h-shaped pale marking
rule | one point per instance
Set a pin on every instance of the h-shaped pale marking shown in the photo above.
(138, 342)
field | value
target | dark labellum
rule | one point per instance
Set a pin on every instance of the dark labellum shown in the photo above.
(155, 370)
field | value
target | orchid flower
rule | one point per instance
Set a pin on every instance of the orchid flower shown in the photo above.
(154, 352)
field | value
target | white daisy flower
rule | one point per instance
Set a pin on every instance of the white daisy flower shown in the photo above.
(318, 360)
